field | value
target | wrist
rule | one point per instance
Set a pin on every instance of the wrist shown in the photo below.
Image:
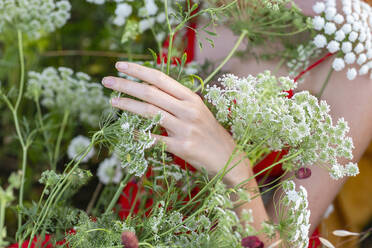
(239, 168)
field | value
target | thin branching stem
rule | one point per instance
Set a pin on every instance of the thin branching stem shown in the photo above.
(114, 200)
(227, 58)
(59, 139)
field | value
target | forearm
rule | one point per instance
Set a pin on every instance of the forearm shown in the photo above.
(242, 173)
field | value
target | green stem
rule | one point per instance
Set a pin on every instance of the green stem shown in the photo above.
(21, 191)
(268, 168)
(22, 62)
(41, 122)
(60, 188)
(325, 83)
(114, 200)
(171, 36)
(145, 244)
(229, 56)
(2, 217)
(59, 140)
(280, 64)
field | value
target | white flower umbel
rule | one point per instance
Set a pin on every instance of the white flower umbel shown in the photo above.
(305, 53)
(294, 218)
(77, 147)
(34, 17)
(259, 106)
(146, 15)
(63, 90)
(347, 34)
(132, 140)
(110, 171)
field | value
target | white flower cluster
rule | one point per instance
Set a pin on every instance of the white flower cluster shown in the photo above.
(77, 147)
(294, 222)
(110, 171)
(338, 171)
(303, 57)
(133, 140)
(348, 34)
(34, 17)
(62, 90)
(257, 109)
(150, 14)
(274, 5)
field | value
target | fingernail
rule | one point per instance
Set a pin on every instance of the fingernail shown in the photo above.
(114, 101)
(121, 65)
(108, 81)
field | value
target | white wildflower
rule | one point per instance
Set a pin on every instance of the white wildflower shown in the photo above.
(347, 47)
(337, 171)
(362, 59)
(330, 28)
(320, 41)
(294, 222)
(146, 24)
(359, 48)
(318, 23)
(354, 36)
(338, 64)
(319, 7)
(110, 171)
(350, 58)
(78, 147)
(333, 46)
(352, 73)
(351, 169)
(340, 35)
(61, 91)
(35, 18)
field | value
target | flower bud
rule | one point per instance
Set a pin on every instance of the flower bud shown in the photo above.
(129, 239)
(303, 173)
(252, 242)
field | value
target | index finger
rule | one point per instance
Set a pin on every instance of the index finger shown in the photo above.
(156, 78)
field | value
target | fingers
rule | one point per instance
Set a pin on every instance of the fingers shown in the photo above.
(156, 78)
(169, 142)
(145, 92)
(148, 111)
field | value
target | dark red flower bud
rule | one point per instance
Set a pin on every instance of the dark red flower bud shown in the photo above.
(252, 242)
(303, 173)
(129, 240)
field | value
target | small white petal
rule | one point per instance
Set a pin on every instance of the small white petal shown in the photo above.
(326, 243)
(343, 233)
(351, 74)
(338, 64)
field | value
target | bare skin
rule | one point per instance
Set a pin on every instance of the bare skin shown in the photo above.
(197, 137)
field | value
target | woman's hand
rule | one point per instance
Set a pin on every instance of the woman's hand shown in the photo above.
(193, 132)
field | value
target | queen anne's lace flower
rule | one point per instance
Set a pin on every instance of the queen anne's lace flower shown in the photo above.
(149, 15)
(132, 140)
(34, 17)
(349, 34)
(110, 171)
(77, 147)
(294, 222)
(302, 61)
(258, 106)
(62, 90)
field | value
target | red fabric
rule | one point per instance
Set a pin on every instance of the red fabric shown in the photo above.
(36, 241)
(127, 200)
(312, 66)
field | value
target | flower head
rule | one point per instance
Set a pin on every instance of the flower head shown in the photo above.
(77, 147)
(34, 17)
(61, 90)
(109, 171)
(349, 34)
